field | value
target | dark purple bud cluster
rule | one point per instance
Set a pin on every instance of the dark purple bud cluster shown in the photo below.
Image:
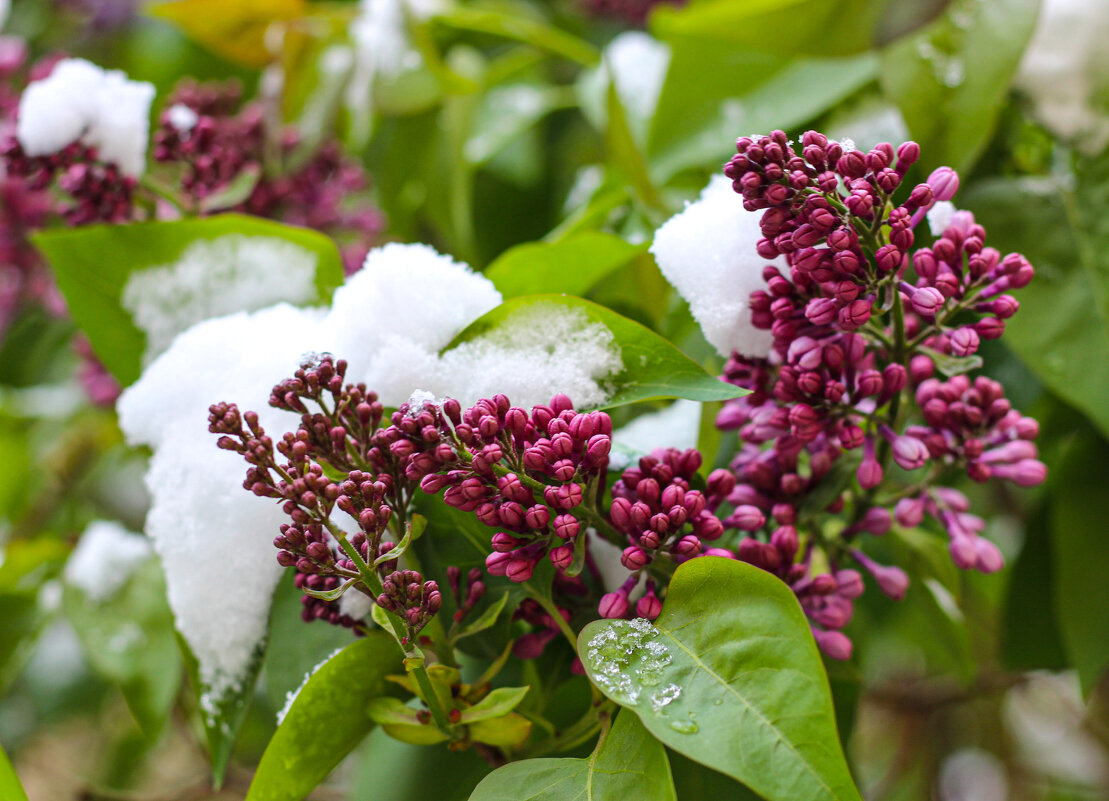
(408, 596)
(466, 594)
(660, 516)
(526, 474)
(226, 139)
(100, 192)
(340, 435)
(860, 323)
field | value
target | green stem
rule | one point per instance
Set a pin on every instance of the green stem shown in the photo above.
(552, 610)
(414, 659)
(156, 187)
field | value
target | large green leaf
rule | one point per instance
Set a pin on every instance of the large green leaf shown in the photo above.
(794, 27)
(93, 264)
(951, 78)
(652, 367)
(222, 717)
(1058, 316)
(628, 763)
(729, 676)
(1030, 636)
(10, 787)
(1079, 515)
(326, 720)
(129, 639)
(573, 265)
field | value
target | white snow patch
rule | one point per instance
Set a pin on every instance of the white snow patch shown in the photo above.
(105, 557)
(182, 117)
(356, 604)
(638, 63)
(214, 277)
(940, 216)
(5, 9)
(536, 353)
(676, 426)
(81, 101)
(708, 253)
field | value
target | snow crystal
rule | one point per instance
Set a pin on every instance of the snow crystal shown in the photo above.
(535, 353)
(105, 557)
(939, 216)
(638, 63)
(356, 604)
(291, 696)
(676, 426)
(708, 253)
(79, 100)
(1065, 70)
(182, 117)
(216, 277)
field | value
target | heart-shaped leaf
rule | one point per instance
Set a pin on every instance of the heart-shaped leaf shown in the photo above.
(729, 676)
(627, 764)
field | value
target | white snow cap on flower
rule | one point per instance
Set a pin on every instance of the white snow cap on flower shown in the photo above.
(105, 557)
(1065, 69)
(389, 321)
(182, 117)
(638, 63)
(708, 253)
(81, 101)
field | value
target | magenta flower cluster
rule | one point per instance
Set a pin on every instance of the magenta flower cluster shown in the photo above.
(226, 141)
(863, 329)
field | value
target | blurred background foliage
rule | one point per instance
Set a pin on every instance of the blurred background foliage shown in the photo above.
(505, 129)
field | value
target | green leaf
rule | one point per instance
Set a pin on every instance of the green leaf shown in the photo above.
(222, 717)
(331, 595)
(326, 720)
(508, 112)
(953, 365)
(10, 787)
(508, 731)
(572, 266)
(950, 80)
(234, 29)
(652, 367)
(129, 640)
(1030, 636)
(26, 566)
(521, 29)
(94, 263)
(391, 770)
(623, 152)
(791, 27)
(400, 722)
(1079, 511)
(729, 675)
(628, 763)
(487, 618)
(1058, 315)
(499, 702)
(703, 108)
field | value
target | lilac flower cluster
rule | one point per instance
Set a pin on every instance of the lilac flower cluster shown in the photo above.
(861, 325)
(527, 474)
(217, 139)
(340, 435)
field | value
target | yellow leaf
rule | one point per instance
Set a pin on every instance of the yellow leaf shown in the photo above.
(235, 29)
